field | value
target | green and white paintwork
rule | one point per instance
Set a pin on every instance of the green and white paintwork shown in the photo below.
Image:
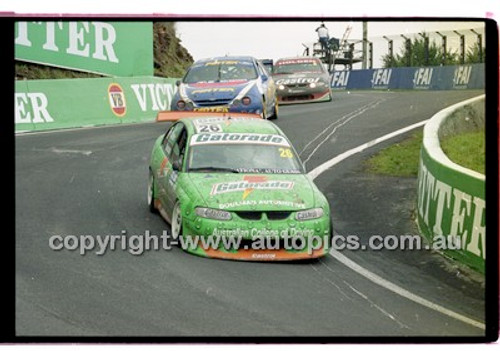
(234, 192)
(451, 198)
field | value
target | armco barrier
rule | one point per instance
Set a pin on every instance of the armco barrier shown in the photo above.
(422, 78)
(69, 103)
(451, 198)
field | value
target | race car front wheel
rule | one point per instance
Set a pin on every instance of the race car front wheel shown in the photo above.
(176, 225)
(264, 108)
(275, 112)
(151, 192)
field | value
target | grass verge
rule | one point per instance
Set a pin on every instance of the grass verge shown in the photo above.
(400, 160)
(466, 149)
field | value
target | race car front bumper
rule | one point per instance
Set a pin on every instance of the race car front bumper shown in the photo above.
(258, 240)
(295, 96)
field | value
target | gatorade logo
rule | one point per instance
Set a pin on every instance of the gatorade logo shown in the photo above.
(117, 99)
(249, 184)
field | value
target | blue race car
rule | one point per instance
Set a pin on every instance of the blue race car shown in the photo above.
(227, 84)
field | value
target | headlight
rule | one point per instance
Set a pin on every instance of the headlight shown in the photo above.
(246, 101)
(312, 85)
(181, 105)
(213, 214)
(281, 87)
(309, 214)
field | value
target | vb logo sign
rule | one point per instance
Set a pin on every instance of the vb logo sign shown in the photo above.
(117, 100)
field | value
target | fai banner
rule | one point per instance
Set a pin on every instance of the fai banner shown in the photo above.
(108, 48)
(468, 76)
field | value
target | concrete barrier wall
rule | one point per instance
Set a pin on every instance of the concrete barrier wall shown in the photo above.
(69, 103)
(421, 78)
(468, 118)
(451, 199)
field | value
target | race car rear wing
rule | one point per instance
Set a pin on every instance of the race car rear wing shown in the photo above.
(172, 116)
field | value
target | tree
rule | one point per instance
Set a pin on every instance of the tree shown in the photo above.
(422, 52)
(476, 54)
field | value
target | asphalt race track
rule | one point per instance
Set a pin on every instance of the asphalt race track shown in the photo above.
(94, 181)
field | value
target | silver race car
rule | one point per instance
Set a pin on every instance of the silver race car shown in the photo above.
(301, 79)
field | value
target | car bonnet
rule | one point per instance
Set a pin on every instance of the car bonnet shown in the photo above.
(253, 192)
(228, 90)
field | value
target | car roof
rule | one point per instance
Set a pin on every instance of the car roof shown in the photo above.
(228, 124)
(293, 58)
(227, 58)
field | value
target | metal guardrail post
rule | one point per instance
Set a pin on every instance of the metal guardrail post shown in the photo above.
(479, 44)
(462, 46)
(408, 50)
(390, 49)
(426, 48)
(443, 48)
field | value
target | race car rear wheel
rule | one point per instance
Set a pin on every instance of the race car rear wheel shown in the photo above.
(151, 192)
(176, 223)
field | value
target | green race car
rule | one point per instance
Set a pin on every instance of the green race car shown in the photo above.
(232, 186)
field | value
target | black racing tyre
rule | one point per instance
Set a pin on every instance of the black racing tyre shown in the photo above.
(275, 112)
(151, 192)
(176, 222)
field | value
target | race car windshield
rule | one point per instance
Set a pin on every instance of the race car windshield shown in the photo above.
(219, 72)
(297, 67)
(243, 158)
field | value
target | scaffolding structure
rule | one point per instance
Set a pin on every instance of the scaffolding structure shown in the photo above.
(343, 52)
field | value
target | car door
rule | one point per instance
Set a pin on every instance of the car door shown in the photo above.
(177, 165)
(268, 87)
(165, 169)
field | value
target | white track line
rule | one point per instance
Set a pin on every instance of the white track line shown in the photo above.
(330, 163)
(365, 272)
(333, 124)
(342, 123)
(402, 292)
(70, 151)
(76, 129)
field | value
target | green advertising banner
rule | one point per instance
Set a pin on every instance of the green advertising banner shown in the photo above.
(108, 48)
(72, 103)
(452, 205)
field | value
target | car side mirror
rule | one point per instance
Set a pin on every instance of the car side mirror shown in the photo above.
(264, 78)
(178, 83)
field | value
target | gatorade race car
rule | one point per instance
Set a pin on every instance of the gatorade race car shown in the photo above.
(301, 79)
(227, 84)
(232, 186)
